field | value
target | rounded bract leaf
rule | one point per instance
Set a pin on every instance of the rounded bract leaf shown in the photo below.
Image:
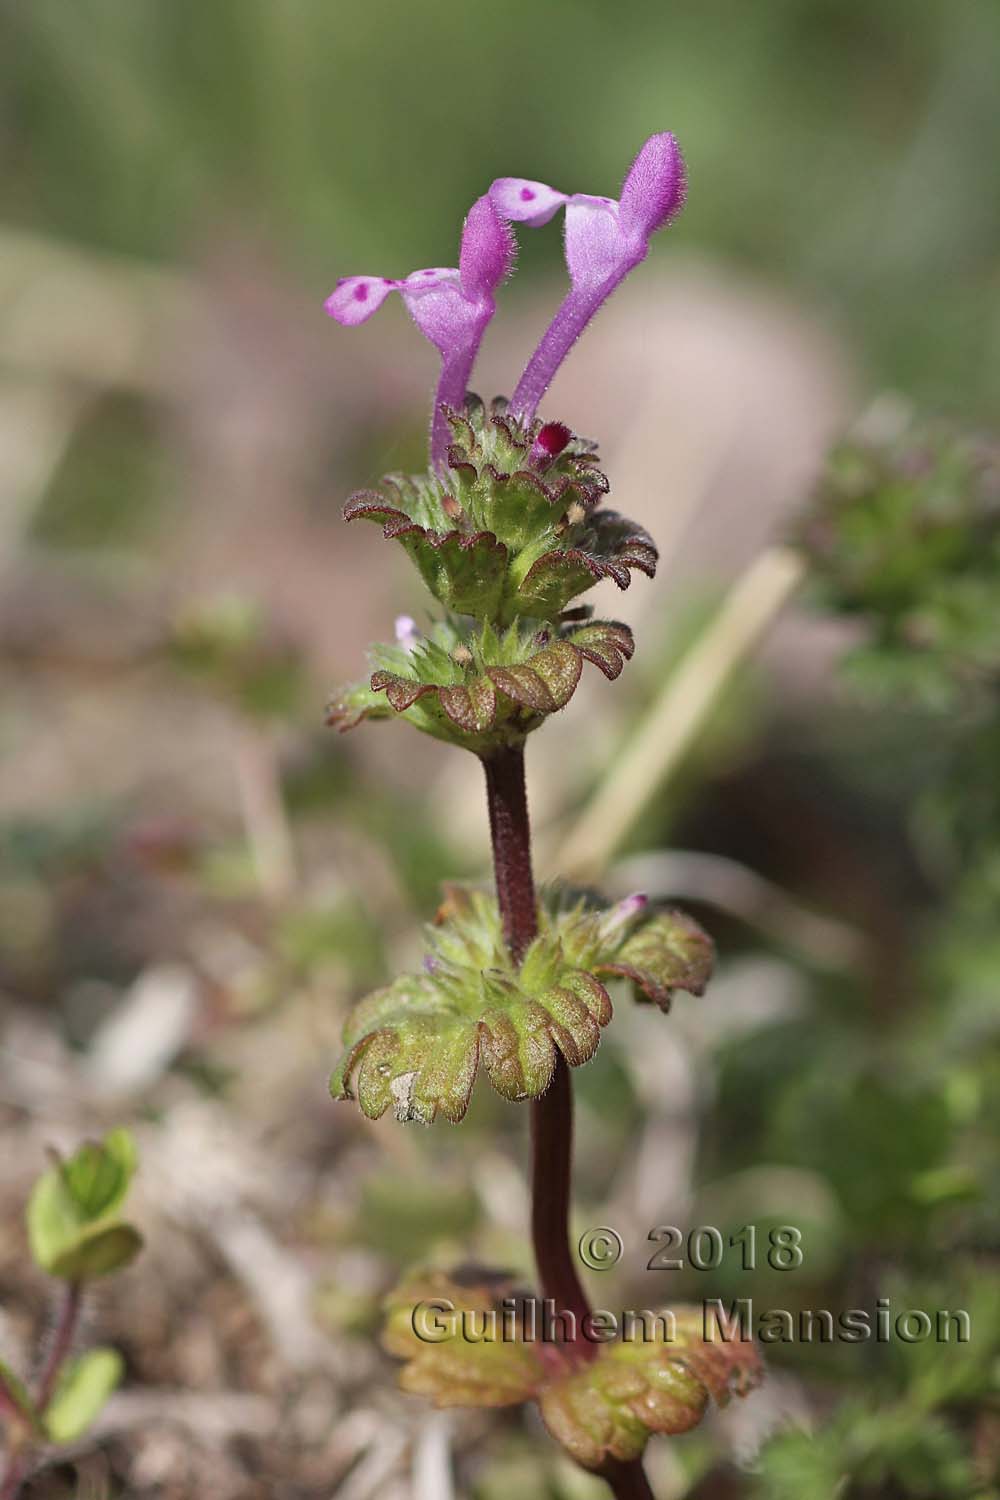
(416, 1047)
(669, 952)
(484, 690)
(465, 571)
(353, 704)
(656, 1377)
(604, 545)
(609, 1409)
(513, 532)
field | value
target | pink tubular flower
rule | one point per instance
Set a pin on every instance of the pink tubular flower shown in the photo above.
(407, 634)
(623, 914)
(605, 239)
(450, 307)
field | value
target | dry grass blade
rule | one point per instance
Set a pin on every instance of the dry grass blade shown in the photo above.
(636, 776)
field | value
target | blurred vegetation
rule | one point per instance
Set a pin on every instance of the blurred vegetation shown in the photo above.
(842, 152)
(843, 149)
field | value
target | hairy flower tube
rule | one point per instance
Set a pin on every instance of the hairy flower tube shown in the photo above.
(604, 240)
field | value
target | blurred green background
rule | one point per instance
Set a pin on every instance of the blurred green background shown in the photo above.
(197, 879)
(842, 150)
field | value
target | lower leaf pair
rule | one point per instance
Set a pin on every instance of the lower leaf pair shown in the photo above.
(473, 1340)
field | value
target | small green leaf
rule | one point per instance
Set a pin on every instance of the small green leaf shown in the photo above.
(84, 1386)
(98, 1254)
(98, 1176)
(54, 1221)
(73, 1209)
(14, 1393)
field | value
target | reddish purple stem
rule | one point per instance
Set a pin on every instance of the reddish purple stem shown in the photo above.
(627, 1480)
(552, 1114)
(551, 1164)
(510, 833)
(62, 1342)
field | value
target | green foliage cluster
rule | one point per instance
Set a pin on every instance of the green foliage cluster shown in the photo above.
(904, 538)
(224, 645)
(904, 535)
(892, 1104)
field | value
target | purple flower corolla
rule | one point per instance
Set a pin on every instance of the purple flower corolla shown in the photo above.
(605, 238)
(450, 307)
(623, 914)
(407, 634)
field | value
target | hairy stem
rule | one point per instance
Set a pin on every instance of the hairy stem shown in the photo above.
(62, 1342)
(627, 1480)
(510, 833)
(552, 1114)
(551, 1158)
